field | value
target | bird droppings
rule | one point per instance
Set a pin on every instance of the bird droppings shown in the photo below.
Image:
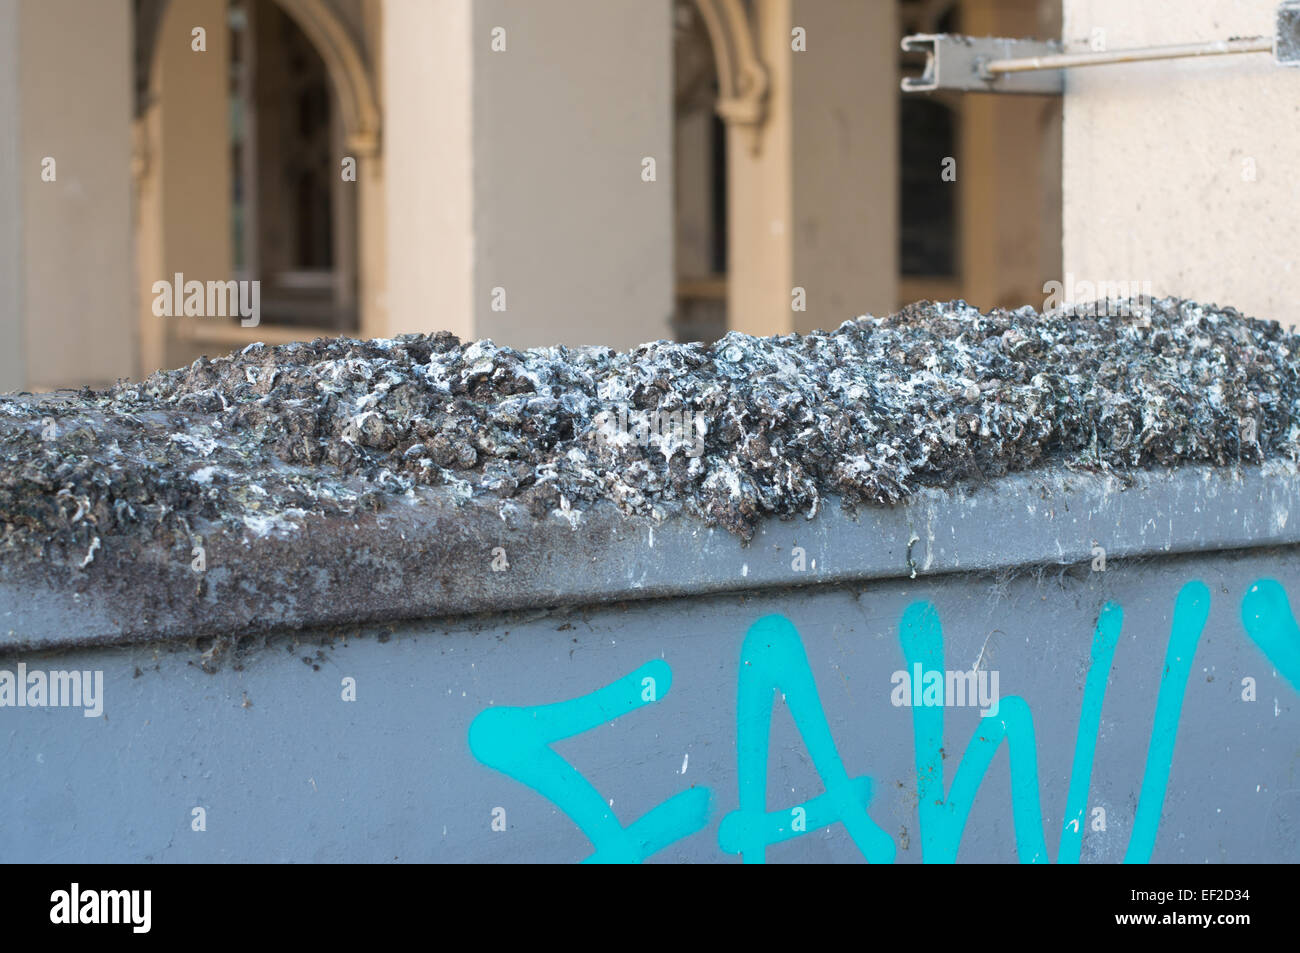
(935, 395)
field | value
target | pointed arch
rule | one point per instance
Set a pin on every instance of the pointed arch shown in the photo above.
(347, 69)
(742, 78)
(338, 48)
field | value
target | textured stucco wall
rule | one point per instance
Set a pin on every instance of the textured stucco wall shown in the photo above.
(1159, 158)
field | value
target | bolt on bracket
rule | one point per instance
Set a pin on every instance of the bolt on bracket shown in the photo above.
(1036, 67)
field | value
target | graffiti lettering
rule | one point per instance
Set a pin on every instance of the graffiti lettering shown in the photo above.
(773, 657)
(516, 741)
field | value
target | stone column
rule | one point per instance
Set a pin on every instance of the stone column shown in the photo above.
(65, 97)
(813, 195)
(184, 175)
(516, 140)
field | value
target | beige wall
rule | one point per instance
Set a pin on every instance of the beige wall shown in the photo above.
(184, 182)
(1009, 172)
(760, 191)
(13, 359)
(563, 219)
(522, 169)
(844, 138)
(428, 165)
(562, 122)
(815, 205)
(1154, 158)
(372, 203)
(72, 260)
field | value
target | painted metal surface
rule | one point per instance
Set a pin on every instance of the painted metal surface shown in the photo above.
(1133, 705)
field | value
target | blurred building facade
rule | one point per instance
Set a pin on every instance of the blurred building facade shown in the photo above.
(558, 171)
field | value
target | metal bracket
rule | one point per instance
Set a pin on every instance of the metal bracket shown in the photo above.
(1286, 42)
(999, 65)
(957, 62)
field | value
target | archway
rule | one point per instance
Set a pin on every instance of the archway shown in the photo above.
(347, 69)
(340, 50)
(742, 78)
(720, 102)
(197, 186)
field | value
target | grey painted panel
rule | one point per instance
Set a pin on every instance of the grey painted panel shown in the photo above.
(287, 770)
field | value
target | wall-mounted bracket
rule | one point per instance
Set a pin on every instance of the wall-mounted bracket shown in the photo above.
(1286, 44)
(1000, 65)
(957, 62)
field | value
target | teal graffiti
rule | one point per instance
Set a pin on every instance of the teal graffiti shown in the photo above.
(1102, 654)
(1267, 616)
(943, 815)
(773, 658)
(1191, 609)
(517, 742)
(943, 818)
